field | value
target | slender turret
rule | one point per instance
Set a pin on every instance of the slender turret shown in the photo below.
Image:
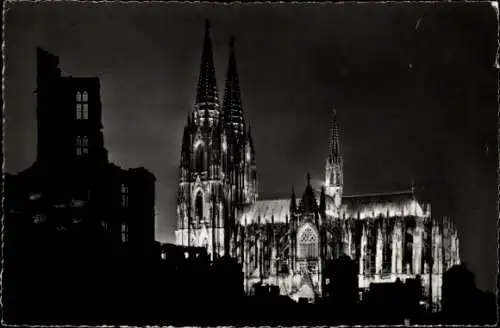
(206, 91)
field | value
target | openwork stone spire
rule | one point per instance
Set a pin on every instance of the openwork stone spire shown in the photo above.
(334, 179)
(232, 108)
(207, 83)
(334, 150)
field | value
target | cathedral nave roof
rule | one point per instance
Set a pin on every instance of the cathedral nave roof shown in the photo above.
(266, 209)
(393, 204)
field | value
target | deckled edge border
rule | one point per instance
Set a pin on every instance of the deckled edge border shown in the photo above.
(494, 5)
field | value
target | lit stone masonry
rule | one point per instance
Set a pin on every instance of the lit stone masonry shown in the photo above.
(403, 257)
(286, 242)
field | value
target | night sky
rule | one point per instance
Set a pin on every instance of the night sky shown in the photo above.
(415, 87)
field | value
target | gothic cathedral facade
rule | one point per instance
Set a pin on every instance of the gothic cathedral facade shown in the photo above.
(286, 242)
(217, 171)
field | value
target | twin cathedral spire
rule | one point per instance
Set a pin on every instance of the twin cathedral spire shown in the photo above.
(217, 171)
(232, 107)
(206, 92)
(207, 97)
(217, 174)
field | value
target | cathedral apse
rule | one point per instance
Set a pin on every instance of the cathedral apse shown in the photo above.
(287, 242)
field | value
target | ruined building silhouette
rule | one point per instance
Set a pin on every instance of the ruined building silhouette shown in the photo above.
(72, 210)
(72, 187)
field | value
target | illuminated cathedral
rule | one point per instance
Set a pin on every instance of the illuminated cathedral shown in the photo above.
(286, 242)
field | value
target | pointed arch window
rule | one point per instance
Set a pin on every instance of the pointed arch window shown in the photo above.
(199, 207)
(200, 159)
(387, 253)
(408, 252)
(252, 259)
(371, 249)
(354, 244)
(82, 106)
(308, 243)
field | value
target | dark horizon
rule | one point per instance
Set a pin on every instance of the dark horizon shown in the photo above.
(420, 58)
